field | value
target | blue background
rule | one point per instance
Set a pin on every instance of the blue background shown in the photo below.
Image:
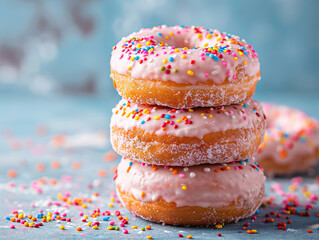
(63, 47)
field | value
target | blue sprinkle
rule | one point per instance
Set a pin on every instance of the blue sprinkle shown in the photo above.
(159, 34)
(245, 105)
(7, 218)
(171, 59)
(136, 110)
(286, 135)
(247, 160)
(106, 218)
(257, 169)
(124, 104)
(143, 122)
(211, 55)
(207, 54)
(241, 162)
(257, 212)
(245, 53)
(216, 58)
(137, 57)
(303, 140)
(256, 163)
(167, 116)
(130, 164)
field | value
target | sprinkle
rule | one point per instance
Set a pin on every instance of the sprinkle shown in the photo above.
(189, 236)
(134, 227)
(78, 229)
(192, 174)
(62, 227)
(190, 73)
(171, 59)
(184, 187)
(142, 194)
(157, 118)
(149, 237)
(183, 56)
(148, 227)
(164, 61)
(208, 36)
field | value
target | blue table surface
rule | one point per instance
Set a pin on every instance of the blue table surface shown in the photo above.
(30, 156)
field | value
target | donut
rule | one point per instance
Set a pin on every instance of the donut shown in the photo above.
(198, 195)
(291, 142)
(184, 67)
(179, 137)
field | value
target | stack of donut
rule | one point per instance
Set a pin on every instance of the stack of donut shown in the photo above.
(187, 127)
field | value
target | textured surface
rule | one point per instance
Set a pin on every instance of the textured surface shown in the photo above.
(72, 127)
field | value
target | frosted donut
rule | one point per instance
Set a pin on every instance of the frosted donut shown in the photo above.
(291, 142)
(165, 136)
(184, 67)
(198, 195)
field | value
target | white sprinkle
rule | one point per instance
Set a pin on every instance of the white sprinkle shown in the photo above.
(206, 169)
(185, 169)
(192, 174)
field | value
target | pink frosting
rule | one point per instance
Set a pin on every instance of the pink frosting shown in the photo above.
(157, 53)
(290, 134)
(214, 185)
(195, 122)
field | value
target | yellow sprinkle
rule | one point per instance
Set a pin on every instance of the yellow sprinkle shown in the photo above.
(110, 204)
(112, 199)
(183, 56)
(184, 188)
(171, 33)
(21, 215)
(142, 194)
(148, 43)
(149, 237)
(49, 214)
(190, 110)
(138, 45)
(157, 118)
(166, 37)
(190, 73)
(31, 224)
(245, 62)
(179, 120)
(26, 224)
(199, 35)
(109, 228)
(235, 58)
(48, 219)
(254, 231)
(132, 58)
(185, 48)
(137, 118)
(218, 39)
(134, 227)
(218, 226)
(176, 50)
(85, 216)
(95, 227)
(202, 114)
(210, 116)
(129, 68)
(89, 223)
(241, 53)
(164, 61)
(189, 236)
(126, 218)
(62, 227)
(206, 44)
(208, 36)
(84, 206)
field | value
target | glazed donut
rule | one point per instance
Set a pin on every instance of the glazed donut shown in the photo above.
(165, 136)
(291, 142)
(184, 67)
(198, 195)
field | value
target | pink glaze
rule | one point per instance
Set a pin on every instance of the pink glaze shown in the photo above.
(290, 135)
(238, 181)
(195, 122)
(157, 53)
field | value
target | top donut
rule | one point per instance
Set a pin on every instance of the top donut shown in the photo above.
(184, 67)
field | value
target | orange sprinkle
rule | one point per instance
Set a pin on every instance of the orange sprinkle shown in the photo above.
(12, 173)
(102, 173)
